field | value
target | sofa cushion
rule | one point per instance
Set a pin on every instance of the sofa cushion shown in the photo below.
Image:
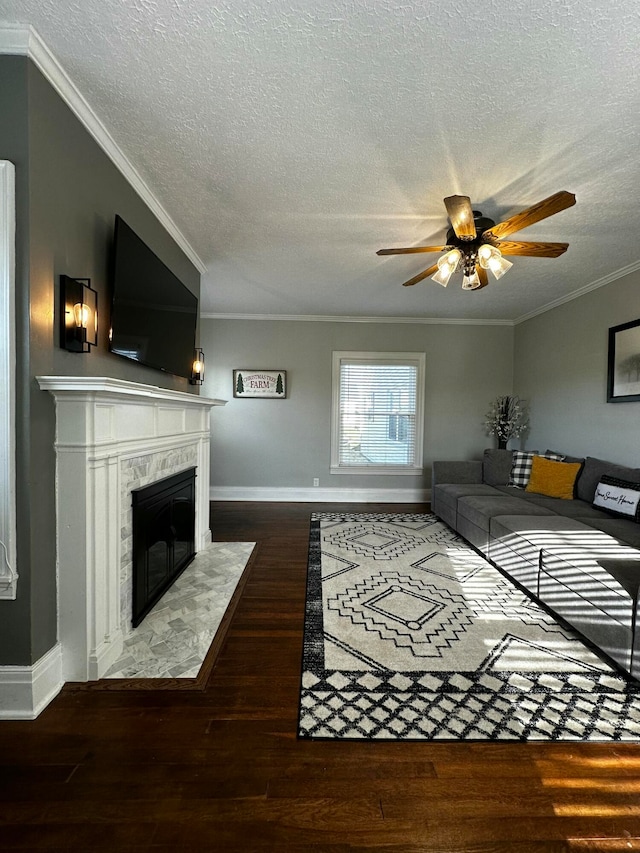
(496, 467)
(574, 509)
(516, 541)
(624, 530)
(479, 510)
(542, 532)
(591, 599)
(592, 472)
(449, 493)
(553, 479)
(444, 499)
(619, 497)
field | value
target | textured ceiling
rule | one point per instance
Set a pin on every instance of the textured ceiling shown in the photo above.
(289, 139)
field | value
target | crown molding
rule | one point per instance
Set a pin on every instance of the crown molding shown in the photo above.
(576, 294)
(313, 318)
(23, 40)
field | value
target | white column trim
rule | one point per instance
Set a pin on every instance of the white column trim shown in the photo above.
(8, 556)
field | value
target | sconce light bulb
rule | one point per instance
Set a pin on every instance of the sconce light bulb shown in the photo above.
(81, 315)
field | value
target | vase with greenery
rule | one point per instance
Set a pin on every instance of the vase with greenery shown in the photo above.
(507, 418)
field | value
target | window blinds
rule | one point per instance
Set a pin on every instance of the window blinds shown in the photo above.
(377, 414)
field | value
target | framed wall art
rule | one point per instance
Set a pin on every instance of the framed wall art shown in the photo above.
(623, 375)
(260, 383)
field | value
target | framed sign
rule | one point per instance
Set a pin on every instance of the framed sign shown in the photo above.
(623, 375)
(260, 383)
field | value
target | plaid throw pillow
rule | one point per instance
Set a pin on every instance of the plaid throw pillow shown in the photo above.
(521, 467)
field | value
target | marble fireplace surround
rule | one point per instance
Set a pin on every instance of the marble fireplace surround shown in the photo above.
(113, 436)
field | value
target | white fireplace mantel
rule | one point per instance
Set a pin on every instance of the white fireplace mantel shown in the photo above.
(106, 428)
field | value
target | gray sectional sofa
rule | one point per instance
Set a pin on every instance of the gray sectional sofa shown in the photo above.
(580, 561)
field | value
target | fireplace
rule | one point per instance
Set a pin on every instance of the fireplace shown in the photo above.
(163, 537)
(114, 437)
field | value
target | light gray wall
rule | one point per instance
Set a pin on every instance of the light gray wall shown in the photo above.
(286, 443)
(560, 366)
(68, 192)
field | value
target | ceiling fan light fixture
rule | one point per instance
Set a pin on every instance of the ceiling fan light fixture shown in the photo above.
(499, 266)
(443, 275)
(447, 265)
(471, 281)
(485, 253)
(490, 258)
(472, 241)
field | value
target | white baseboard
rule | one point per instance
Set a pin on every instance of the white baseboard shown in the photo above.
(25, 691)
(103, 657)
(316, 495)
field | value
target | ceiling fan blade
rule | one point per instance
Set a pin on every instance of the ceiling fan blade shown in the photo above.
(410, 250)
(532, 250)
(482, 275)
(420, 276)
(461, 216)
(546, 207)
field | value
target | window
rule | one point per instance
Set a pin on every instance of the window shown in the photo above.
(378, 413)
(398, 428)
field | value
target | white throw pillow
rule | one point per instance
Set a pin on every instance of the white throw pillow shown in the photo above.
(619, 497)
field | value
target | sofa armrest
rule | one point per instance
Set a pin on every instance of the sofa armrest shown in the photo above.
(456, 472)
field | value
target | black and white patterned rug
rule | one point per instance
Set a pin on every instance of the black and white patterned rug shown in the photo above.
(411, 635)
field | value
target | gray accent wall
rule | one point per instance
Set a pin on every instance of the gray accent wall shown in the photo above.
(68, 192)
(267, 443)
(561, 368)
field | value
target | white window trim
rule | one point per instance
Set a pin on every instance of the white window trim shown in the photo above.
(417, 358)
(8, 572)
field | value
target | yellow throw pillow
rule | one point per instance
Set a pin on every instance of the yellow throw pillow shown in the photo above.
(553, 479)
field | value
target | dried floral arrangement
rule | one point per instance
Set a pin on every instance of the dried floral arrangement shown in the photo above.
(507, 418)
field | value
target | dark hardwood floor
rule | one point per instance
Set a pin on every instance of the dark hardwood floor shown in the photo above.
(220, 769)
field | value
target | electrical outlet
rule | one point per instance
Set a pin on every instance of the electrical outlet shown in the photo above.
(316, 481)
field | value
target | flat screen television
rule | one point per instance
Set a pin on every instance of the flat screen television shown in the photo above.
(153, 314)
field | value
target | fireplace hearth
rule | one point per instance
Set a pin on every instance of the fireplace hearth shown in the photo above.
(163, 538)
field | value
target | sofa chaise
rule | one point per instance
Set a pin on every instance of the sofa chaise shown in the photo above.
(579, 560)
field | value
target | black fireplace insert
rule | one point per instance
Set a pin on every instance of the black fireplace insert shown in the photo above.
(163, 537)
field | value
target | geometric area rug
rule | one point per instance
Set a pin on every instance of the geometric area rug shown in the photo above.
(411, 635)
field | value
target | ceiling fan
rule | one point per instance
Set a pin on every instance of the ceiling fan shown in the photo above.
(475, 245)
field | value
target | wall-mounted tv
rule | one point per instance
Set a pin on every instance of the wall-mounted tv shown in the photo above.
(153, 314)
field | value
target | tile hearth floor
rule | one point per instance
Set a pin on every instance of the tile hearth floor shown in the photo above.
(174, 637)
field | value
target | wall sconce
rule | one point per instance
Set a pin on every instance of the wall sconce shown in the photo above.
(197, 370)
(78, 314)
